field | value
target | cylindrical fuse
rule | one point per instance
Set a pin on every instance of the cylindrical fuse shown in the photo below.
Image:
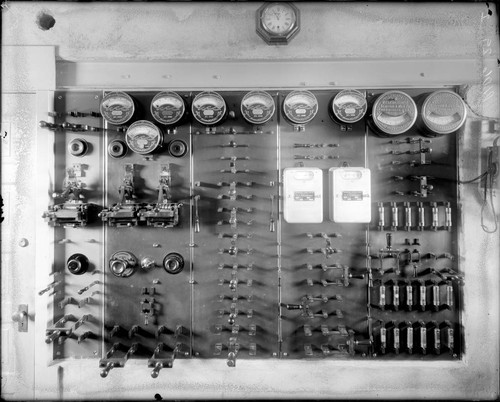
(449, 295)
(381, 216)
(422, 296)
(408, 222)
(395, 298)
(421, 216)
(435, 216)
(409, 296)
(435, 297)
(381, 301)
(447, 210)
(395, 212)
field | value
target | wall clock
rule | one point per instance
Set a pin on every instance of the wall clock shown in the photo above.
(278, 23)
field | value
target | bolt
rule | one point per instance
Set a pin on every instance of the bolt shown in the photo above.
(96, 97)
(95, 352)
(197, 353)
(186, 354)
(275, 354)
(23, 242)
(156, 281)
(59, 97)
(285, 354)
(156, 245)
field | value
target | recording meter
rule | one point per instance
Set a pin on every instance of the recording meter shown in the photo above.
(393, 113)
(442, 112)
(350, 194)
(303, 195)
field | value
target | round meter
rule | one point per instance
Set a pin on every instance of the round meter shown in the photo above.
(348, 106)
(143, 137)
(300, 107)
(167, 108)
(393, 113)
(209, 108)
(442, 112)
(257, 107)
(117, 108)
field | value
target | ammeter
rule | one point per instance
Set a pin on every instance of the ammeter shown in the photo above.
(257, 107)
(209, 108)
(393, 113)
(442, 112)
(167, 108)
(300, 107)
(117, 107)
(143, 137)
(348, 106)
(303, 195)
(350, 194)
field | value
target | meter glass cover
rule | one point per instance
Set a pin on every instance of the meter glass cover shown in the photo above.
(143, 137)
(349, 106)
(209, 108)
(117, 107)
(257, 107)
(444, 112)
(394, 112)
(300, 106)
(167, 108)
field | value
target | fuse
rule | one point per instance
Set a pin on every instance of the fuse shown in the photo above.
(381, 300)
(383, 339)
(422, 295)
(436, 332)
(307, 330)
(449, 337)
(449, 295)
(435, 296)
(447, 222)
(409, 296)
(381, 216)
(396, 339)
(408, 222)
(395, 220)
(435, 216)
(423, 337)
(409, 337)
(395, 297)
(421, 216)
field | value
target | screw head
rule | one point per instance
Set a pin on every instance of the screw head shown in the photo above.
(23, 242)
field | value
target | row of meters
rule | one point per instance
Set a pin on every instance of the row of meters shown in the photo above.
(390, 113)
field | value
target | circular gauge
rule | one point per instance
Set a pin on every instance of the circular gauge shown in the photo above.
(209, 108)
(167, 108)
(348, 106)
(443, 112)
(143, 137)
(257, 107)
(300, 107)
(394, 112)
(117, 108)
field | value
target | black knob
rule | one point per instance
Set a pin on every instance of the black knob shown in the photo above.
(177, 148)
(77, 264)
(78, 147)
(173, 263)
(117, 149)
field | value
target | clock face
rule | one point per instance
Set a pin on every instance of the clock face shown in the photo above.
(278, 18)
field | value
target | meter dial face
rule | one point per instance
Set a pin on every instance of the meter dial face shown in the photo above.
(209, 108)
(257, 107)
(143, 137)
(167, 108)
(394, 112)
(278, 18)
(443, 112)
(349, 106)
(300, 107)
(117, 108)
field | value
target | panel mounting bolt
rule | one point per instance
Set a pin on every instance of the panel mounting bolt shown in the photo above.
(23, 242)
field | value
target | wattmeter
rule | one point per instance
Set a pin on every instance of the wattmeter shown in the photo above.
(393, 113)
(117, 108)
(350, 194)
(303, 195)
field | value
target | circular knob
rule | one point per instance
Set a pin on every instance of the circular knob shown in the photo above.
(148, 263)
(122, 264)
(177, 148)
(77, 264)
(78, 147)
(19, 316)
(173, 263)
(117, 149)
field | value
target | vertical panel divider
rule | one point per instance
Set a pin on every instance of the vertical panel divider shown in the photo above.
(278, 233)
(104, 232)
(191, 238)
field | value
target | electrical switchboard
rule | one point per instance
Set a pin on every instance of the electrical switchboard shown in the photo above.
(247, 224)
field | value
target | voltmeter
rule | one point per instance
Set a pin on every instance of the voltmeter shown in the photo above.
(143, 137)
(117, 107)
(257, 107)
(167, 108)
(300, 107)
(303, 195)
(209, 108)
(393, 113)
(442, 112)
(350, 194)
(348, 106)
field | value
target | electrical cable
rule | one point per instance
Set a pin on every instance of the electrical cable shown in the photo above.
(491, 173)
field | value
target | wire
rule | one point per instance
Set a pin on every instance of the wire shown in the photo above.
(492, 170)
(482, 175)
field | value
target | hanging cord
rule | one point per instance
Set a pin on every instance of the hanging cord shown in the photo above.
(490, 175)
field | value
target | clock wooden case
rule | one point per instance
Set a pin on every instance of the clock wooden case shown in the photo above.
(277, 23)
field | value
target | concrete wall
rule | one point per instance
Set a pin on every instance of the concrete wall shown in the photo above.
(100, 33)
